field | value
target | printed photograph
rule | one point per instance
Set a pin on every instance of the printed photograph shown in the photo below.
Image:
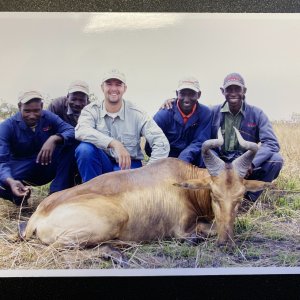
(149, 143)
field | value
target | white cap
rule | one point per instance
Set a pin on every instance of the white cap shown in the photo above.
(25, 97)
(189, 83)
(79, 86)
(114, 74)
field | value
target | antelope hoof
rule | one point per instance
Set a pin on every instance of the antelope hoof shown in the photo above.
(225, 245)
(21, 229)
(194, 239)
(116, 256)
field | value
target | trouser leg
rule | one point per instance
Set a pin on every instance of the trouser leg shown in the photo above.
(65, 167)
(92, 161)
(5, 192)
(61, 171)
(135, 164)
(29, 172)
(267, 172)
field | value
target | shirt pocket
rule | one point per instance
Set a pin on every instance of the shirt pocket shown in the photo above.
(250, 133)
(130, 142)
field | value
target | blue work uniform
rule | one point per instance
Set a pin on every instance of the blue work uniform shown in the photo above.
(185, 139)
(255, 127)
(20, 145)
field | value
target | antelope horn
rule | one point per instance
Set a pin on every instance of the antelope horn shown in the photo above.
(243, 163)
(213, 163)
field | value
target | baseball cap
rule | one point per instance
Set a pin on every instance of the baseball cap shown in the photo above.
(79, 86)
(25, 97)
(233, 79)
(189, 83)
(114, 73)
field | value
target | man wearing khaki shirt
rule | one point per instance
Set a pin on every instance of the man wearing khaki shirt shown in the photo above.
(110, 131)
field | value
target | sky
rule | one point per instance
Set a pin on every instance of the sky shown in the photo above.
(46, 51)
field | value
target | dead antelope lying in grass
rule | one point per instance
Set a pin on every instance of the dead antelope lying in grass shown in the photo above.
(169, 198)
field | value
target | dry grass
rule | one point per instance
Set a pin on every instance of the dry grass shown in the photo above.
(267, 234)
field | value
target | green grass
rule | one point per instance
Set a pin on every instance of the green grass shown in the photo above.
(176, 250)
(296, 204)
(288, 259)
(252, 252)
(243, 224)
(289, 184)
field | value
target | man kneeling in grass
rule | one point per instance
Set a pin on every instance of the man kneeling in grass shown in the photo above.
(36, 147)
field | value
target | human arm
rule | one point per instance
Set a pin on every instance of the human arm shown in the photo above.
(62, 129)
(168, 104)
(17, 187)
(88, 128)
(123, 155)
(160, 119)
(6, 132)
(45, 155)
(156, 139)
(60, 132)
(268, 140)
(203, 132)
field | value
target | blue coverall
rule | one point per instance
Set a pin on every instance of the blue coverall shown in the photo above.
(255, 127)
(20, 145)
(185, 139)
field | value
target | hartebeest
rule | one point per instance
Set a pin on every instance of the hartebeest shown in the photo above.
(169, 198)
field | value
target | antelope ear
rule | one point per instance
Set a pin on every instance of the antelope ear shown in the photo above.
(195, 184)
(256, 185)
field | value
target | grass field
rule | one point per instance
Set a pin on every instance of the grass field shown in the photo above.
(267, 233)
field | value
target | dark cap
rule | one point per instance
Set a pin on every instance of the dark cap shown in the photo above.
(233, 79)
(189, 83)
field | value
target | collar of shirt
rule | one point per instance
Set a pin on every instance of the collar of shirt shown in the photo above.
(184, 116)
(225, 108)
(69, 110)
(33, 127)
(120, 113)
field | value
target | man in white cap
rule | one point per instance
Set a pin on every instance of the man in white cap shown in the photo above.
(36, 147)
(253, 125)
(110, 131)
(69, 107)
(187, 124)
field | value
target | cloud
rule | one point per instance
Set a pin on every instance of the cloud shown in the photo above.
(130, 21)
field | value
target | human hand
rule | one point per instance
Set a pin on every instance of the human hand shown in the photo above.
(122, 154)
(167, 104)
(17, 187)
(45, 155)
(250, 171)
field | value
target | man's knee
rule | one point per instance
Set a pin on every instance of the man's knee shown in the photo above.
(276, 162)
(85, 150)
(5, 192)
(270, 169)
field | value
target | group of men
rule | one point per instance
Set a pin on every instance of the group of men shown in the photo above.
(38, 146)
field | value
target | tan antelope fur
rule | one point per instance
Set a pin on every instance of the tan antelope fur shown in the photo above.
(169, 198)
